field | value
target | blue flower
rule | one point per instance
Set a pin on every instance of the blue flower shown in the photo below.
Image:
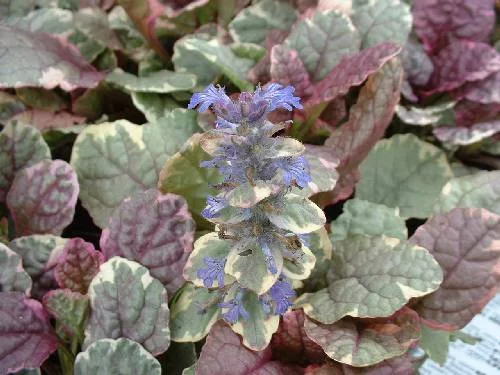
(210, 96)
(281, 293)
(295, 168)
(215, 270)
(214, 206)
(236, 309)
(270, 262)
(278, 96)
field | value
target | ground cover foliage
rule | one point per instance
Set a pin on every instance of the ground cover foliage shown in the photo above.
(338, 214)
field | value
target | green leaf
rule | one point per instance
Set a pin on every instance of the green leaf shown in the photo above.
(248, 51)
(20, 146)
(10, 8)
(404, 172)
(69, 308)
(127, 302)
(94, 24)
(183, 175)
(45, 20)
(13, 277)
(357, 344)
(260, 279)
(209, 245)
(258, 329)
(179, 356)
(281, 147)
(122, 356)
(435, 343)
(320, 245)
(298, 215)
(154, 106)
(322, 41)
(162, 81)
(208, 60)
(126, 157)
(253, 23)
(41, 99)
(369, 219)
(372, 276)
(480, 190)
(247, 195)
(302, 268)
(193, 312)
(382, 20)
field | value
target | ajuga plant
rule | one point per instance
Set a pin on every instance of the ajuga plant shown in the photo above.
(260, 247)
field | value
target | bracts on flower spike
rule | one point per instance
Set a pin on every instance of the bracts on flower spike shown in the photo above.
(250, 263)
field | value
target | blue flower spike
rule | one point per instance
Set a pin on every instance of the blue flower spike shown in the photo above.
(213, 271)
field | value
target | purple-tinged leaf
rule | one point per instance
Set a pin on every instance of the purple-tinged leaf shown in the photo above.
(20, 147)
(155, 230)
(439, 22)
(462, 136)
(368, 119)
(468, 113)
(429, 115)
(290, 343)
(26, 340)
(465, 242)
(261, 71)
(42, 60)
(418, 66)
(461, 62)
(78, 265)
(43, 197)
(13, 277)
(70, 309)
(176, 7)
(224, 354)
(45, 120)
(288, 69)
(368, 342)
(486, 91)
(40, 254)
(353, 71)
(127, 302)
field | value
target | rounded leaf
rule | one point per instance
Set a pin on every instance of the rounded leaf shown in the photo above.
(13, 277)
(372, 277)
(121, 356)
(20, 147)
(69, 308)
(154, 230)
(127, 302)
(248, 195)
(43, 197)
(404, 172)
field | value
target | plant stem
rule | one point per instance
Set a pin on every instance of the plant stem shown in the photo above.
(312, 115)
(67, 360)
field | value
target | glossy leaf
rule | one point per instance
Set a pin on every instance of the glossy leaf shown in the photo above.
(154, 230)
(323, 40)
(77, 265)
(404, 172)
(122, 355)
(127, 302)
(42, 60)
(372, 277)
(43, 197)
(480, 190)
(13, 277)
(369, 219)
(126, 156)
(26, 338)
(464, 241)
(20, 146)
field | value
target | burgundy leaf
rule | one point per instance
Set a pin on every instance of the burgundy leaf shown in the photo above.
(438, 22)
(26, 340)
(352, 71)
(466, 243)
(45, 120)
(291, 344)
(224, 354)
(42, 60)
(260, 72)
(288, 69)
(418, 66)
(368, 118)
(468, 113)
(176, 7)
(78, 265)
(43, 197)
(463, 136)
(462, 62)
(155, 230)
(486, 91)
